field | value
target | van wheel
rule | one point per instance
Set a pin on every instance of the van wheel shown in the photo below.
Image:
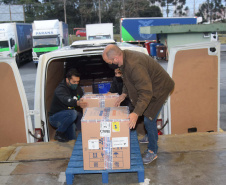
(18, 61)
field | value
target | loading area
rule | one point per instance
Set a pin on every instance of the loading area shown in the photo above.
(195, 158)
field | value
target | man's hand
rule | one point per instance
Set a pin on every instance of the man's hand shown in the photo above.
(82, 104)
(120, 99)
(133, 117)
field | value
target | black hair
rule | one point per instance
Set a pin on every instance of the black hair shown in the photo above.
(72, 72)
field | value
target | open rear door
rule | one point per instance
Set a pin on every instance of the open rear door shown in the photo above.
(15, 119)
(194, 105)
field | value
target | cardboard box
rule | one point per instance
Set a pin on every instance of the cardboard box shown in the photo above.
(106, 138)
(101, 100)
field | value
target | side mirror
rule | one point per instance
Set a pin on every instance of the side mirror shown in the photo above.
(12, 42)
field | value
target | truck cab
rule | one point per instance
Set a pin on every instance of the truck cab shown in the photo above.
(85, 56)
(7, 40)
(48, 35)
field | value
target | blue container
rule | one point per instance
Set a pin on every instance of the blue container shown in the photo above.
(153, 52)
(101, 88)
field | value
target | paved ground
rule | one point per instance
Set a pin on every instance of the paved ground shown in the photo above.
(187, 159)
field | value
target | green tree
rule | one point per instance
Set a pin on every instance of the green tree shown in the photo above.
(150, 11)
(212, 10)
(179, 4)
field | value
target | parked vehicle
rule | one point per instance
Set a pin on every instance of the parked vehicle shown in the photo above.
(130, 27)
(15, 123)
(99, 31)
(16, 41)
(48, 35)
(81, 32)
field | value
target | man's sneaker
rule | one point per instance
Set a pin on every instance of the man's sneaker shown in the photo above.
(149, 156)
(144, 139)
(59, 136)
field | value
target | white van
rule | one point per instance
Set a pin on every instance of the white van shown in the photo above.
(15, 120)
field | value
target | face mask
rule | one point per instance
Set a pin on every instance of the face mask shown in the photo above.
(119, 79)
(73, 86)
(113, 66)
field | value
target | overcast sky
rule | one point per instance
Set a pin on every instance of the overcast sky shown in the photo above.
(190, 4)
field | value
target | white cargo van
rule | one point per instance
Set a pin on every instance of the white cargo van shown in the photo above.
(15, 119)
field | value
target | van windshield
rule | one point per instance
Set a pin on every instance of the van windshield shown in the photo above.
(4, 44)
(45, 42)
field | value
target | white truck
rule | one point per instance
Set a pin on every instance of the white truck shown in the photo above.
(48, 35)
(99, 31)
(16, 41)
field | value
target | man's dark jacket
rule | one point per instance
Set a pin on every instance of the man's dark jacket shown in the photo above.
(64, 98)
(116, 86)
(146, 82)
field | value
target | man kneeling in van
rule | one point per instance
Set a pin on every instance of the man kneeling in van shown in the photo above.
(65, 112)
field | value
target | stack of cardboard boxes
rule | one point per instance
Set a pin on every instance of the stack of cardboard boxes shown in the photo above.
(106, 138)
(105, 133)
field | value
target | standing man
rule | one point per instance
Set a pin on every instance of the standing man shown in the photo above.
(64, 112)
(148, 86)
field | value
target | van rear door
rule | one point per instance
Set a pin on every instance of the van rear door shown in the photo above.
(194, 105)
(15, 119)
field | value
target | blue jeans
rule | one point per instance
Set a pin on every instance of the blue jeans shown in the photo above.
(152, 132)
(66, 121)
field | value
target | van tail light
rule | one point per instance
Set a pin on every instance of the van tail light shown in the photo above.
(159, 132)
(39, 134)
(159, 124)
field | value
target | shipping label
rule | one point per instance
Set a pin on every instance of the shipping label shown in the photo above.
(105, 129)
(119, 142)
(93, 144)
(115, 127)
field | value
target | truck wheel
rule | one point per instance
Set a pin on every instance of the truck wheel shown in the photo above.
(78, 35)
(18, 61)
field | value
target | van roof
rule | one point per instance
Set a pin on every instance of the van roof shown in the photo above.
(85, 49)
(92, 43)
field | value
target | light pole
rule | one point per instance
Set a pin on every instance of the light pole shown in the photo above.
(65, 14)
(99, 13)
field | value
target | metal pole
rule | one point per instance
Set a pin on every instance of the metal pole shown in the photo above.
(10, 14)
(65, 14)
(124, 13)
(167, 8)
(24, 13)
(194, 7)
(99, 13)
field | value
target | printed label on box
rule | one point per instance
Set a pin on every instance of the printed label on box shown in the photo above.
(119, 142)
(93, 144)
(105, 129)
(115, 126)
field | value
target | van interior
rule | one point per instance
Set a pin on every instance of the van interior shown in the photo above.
(92, 69)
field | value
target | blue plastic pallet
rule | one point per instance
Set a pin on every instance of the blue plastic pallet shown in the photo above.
(75, 165)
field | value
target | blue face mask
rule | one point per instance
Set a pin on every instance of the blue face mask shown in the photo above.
(73, 86)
